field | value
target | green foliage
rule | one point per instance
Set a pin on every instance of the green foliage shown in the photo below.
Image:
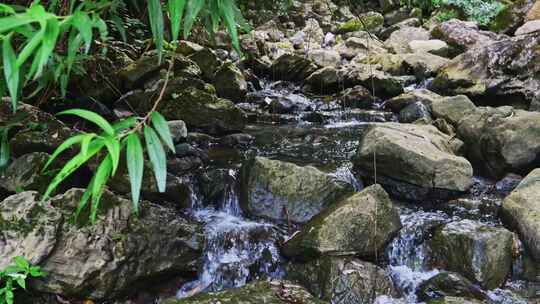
(108, 146)
(14, 276)
(446, 15)
(481, 11)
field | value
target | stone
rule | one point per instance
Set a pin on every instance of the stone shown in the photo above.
(454, 300)
(324, 58)
(311, 36)
(230, 83)
(413, 160)
(370, 21)
(452, 109)
(273, 292)
(414, 112)
(462, 35)
(357, 97)
(424, 96)
(361, 225)
(446, 284)
(292, 67)
(528, 28)
(208, 62)
(383, 84)
(479, 252)
(511, 16)
(284, 191)
(501, 140)
(103, 260)
(408, 22)
(187, 48)
(421, 64)
(522, 211)
(325, 80)
(25, 173)
(534, 12)
(500, 73)
(433, 46)
(178, 130)
(398, 42)
(343, 280)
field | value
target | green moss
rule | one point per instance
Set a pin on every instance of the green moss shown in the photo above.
(368, 22)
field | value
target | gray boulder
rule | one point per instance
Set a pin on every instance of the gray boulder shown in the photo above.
(230, 82)
(398, 42)
(284, 191)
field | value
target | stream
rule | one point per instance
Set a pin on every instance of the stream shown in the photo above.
(317, 131)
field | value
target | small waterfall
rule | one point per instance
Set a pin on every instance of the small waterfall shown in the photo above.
(237, 250)
(344, 173)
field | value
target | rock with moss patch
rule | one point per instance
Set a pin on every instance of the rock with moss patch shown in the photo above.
(345, 280)
(25, 173)
(208, 62)
(361, 225)
(383, 84)
(273, 292)
(398, 42)
(414, 160)
(292, 67)
(511, 16)
(479, 252)
(230, 82)
(370, 21)
(284, 191)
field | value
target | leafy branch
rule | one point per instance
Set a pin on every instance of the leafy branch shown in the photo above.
(14, 276)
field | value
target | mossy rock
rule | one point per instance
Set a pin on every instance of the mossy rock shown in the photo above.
(371, 22)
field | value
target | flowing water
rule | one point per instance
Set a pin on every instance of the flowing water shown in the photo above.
(240, 250)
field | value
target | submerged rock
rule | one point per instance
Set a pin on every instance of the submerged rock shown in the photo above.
(361, 225)
(284, 191)
(413, 161)
(522, 211)
(479, 252)
(102, 260)
(274, 292)
(343, 280)
(501, 73)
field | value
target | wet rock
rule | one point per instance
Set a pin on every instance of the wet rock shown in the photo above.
(357, 97)
(454, 300)
(361, 225)
(325, 80)
(462, 35)
(384, 84)
(178, 130)
(508, 183)
(398, 41)
(413, 112)
(25, 173)
(230, 83)
(343, 280)
(273, 292)
(501, 73)
(452, 109)
(415, 159)
(101, 260)
(370, 21)
(477, 251)
(34, 130)
(424, 96)
(433, 46)
(237, 140)
(522, 211)
(292, 67)
(207, 61)
(501, 140)
(449, 284)
(284, 191)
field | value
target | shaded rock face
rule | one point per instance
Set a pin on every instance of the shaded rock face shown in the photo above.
(479, 252)
(292, 67)
(342, 280)
(361, 224)
(382, 83)
(462, 35)
(100, 261)
(24, 173)
(284, 191)
(448, 284)
(522, 211)
(511, 16)
(230, 82)
(37, 131)
(274, 292)
(501, 140)
(505, 72)
(413, 160)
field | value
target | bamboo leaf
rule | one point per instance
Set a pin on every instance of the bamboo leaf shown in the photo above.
(11, 71)
(91, 116)
(157, 157)
(114, 147)
(162, 128)
(193, 9)
(227, 8)
(100, 179)
(50, 36)
(135, 165)
(4, 148)
(176, 12)
(156, 24)
(64, 146)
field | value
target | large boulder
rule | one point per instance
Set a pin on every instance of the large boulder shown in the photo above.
(413, 161)
(273, 292)
(97, 261)
(501, 73)
(383, 84)
(361, 224)
(511, 16)
(230, 82)
(421, 64)
(398, 42)
(25, 173)
(522, 211)
(284, 191)
(446, 284)
(479, 252)
(292, 67)
(463, 35)
(343, 280)
(500, 140)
